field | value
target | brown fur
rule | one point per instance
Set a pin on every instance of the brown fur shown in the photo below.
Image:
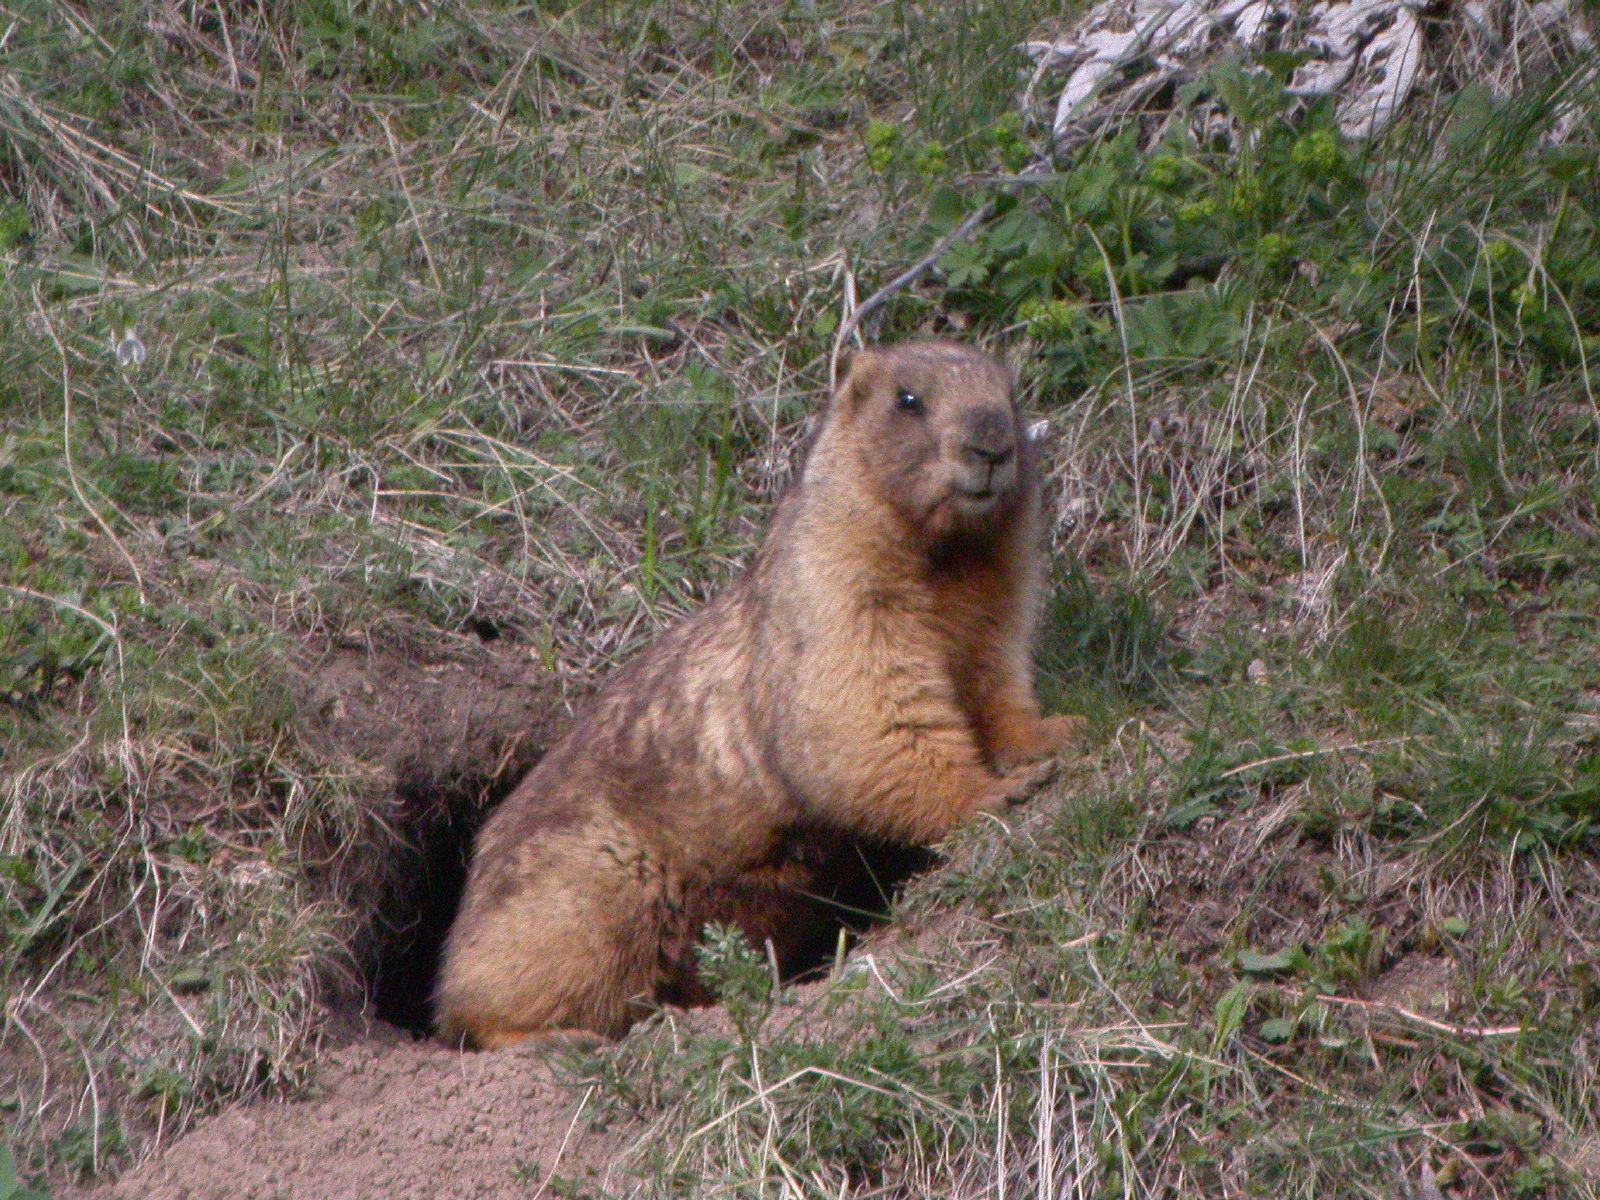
(868, 678)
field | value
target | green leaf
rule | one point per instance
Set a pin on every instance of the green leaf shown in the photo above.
(946, 208)
(1278, 1030)
(44, 916)
(12, 1188)
(1230, 1013)
(1185, 815)
(1281, 962)
(75, 275)
(965, 265)
(687, 174)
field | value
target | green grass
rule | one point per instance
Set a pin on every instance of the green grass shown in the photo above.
(504, 322)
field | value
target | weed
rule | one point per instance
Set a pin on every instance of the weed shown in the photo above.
(1114, 638)
(739, 974)
(12, 1188)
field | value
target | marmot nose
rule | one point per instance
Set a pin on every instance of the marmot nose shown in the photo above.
(986, 456)
(989, 438)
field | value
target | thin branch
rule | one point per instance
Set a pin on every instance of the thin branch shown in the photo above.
(66, 448)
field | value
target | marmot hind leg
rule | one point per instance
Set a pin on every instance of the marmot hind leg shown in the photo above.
(574, 950)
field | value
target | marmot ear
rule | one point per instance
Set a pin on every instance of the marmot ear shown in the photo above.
(859, 374)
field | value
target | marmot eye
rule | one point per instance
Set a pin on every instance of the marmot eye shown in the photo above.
(908, 402)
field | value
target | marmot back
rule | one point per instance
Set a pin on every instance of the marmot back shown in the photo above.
(869, 677)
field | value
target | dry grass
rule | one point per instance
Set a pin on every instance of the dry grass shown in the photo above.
(495, 326)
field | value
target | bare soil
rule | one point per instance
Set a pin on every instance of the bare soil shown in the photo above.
(399, 1119)
(432, 719)
(396, 1117)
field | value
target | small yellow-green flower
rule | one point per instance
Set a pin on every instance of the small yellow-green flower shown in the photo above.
(1274, 248)
(883, 143)
(1317, 154)
(1009, 141)
(1248, 197)
(930, 160)
(1164, 172)
(1047, 320)
(1498, 252)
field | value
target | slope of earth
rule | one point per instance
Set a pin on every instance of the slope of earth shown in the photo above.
(396, 1118)
(374, 378)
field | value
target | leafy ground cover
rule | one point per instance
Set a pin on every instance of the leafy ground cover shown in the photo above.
(480, 335)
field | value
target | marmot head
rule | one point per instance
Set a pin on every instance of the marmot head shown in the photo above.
(936, 431)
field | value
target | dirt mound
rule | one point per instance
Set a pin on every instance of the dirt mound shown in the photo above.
(396, 1119)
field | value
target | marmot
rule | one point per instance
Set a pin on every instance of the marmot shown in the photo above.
(869, 677)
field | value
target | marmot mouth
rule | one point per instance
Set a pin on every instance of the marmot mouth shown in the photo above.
(977, 494)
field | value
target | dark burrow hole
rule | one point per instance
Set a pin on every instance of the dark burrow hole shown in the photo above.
(440, 821)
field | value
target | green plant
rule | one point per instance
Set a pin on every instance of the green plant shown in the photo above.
(739, 975)
(12, 1188)
(1112, 638)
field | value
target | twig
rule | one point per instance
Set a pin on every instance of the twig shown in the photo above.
(1466, 1031)
(1320, 750)
(66, 448)
(875, 301)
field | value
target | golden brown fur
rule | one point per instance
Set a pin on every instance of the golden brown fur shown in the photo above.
(869, 677)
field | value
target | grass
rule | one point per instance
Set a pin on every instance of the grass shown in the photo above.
(499, 325)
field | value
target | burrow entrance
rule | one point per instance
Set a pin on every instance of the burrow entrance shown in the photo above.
(454, 737)
(450, 735)
(420, 898)
(441, 820)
